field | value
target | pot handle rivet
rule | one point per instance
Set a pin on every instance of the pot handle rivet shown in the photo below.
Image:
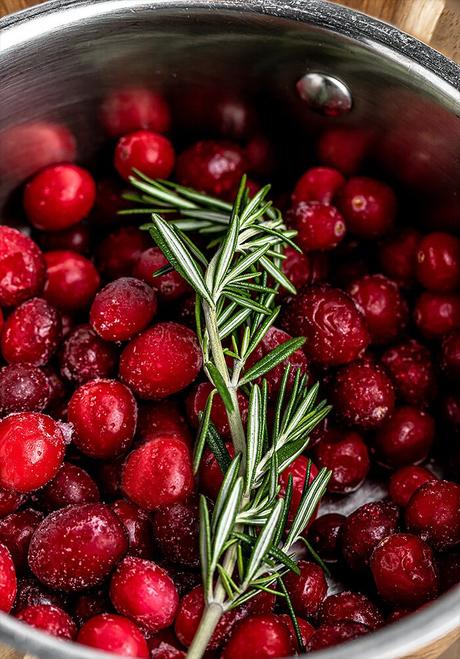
(325, 94)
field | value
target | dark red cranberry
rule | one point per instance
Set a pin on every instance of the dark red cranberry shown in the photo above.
(346, 455)
(109, 201)
(8, 585)
(449, 570)
(404, 482)
(398, 256)
(364, 529)
(161, 361)
(363, 395)
(320, 226)
(72, 280)
(411, 369)
(211, 475)
(433, 513)
(450, 355)
(438, 262)
(119, 252)
(335, 330)
(405, 438)
(329, 635)
(368, 206)
(149, 152)
(436, 314)
(16, 531)
(145, 592)
(76, 238)
(23, 388)
(298, 469)
(134, 108)
(31, 333)
(168, 287)
(164, 416)
(176, 530)
(138, 526)
(85, 356)
(196, 402)
(109, 477)
(304, 269)
(10, 501)
(57, 390)
(185, 579)
(306, 630)
(22, 267)
(350, 607)
(351, 262)
(306, 590)
(91, 603)
(404, 570)
(450, 410)
(344, 148)
(260, 156)
(31, 593)
(318, 184)
(71, 485)
(260, 637)
(166, 651)
(76, 547)
(50, 619)
(114, 634)
(59, 196)
(324, 535)
(163, 461)
(214, 167)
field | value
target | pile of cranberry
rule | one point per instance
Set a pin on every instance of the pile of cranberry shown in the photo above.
(101, 389)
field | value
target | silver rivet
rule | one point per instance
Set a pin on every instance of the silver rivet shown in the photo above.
(325, 94)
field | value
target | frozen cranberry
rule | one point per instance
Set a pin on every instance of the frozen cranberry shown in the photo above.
(405, 438)
(176, 530)
(319, 225)
(438, 262)
(7, 580)
(76, 547)
(346, 455)
(260, 156)
(164, 416)
(259, 637)
(184, 578)
(10, 501)
(168, 287)
(31, 333)
(72, 280)
(138, 526)
(166, 651)
(324, 535)
(134, 108)
(211, 475)
(298, 470)
(433, 512)
(22, 267)
(350, 607)
(145, 592)
(76, 238)
(362, 395)
(109, 201)
(23, 388)
(411, 369)
(450, 410)
(16, 531)
(71, 485)
(332, 634)
(306, 630)
(318, 184)
(91, 603)
(50, 619)
(161, 361)
(85, 356)
(449, 570)
(364, 529)
(114, 634)
(32, 593)
(368, 206)
(398, 256)
(163, 461)
(214, 167)
(304, 269)
(343, 148)
(57, 390)
(306, 590)
(404, 571)
(109, 477)
(404, 482)
(450, 355)
(119, 252)
(149, 152)
(436, 314)
(59, 196)
(196, 402)
(334, 329)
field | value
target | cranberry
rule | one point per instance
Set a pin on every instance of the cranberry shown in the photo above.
(404, 571)
(436, 314)
(143, 591)
(319, 225)
(114, 634)
(149, 152)
(259, 637)
(163, 461)
(72, 280)
(134, 108)
(404, 482)
(334, 329)
(161, 361)
(433, 512)
(50, 619)
(138, 526)
(304, 269)
(298, 470)
(450, 355)
(185, 579)
(166, 651)
(306, 630)
(59, 196)
(308, 589)
(196, 402)
(450, 410)
(164, 416)
(76, 547)
(346, 455)
(405, 438)
(168, 287)
(211, 475)
(368, 206)
(23, 388)
(214, 167)
(109, 201)
(260, 156)
(31, 593)
(86, 356)
(364, 529)
(31, 333)
(324, 535)
(22, 267)
(343, 148)
(411, 369)
(438, 262)
(363, 395)
(351, 262)
(398, 256)
(449, 570)
(350, 607)
(119, 252)
(176, 530)
(91, 603)
(16, 531)
(332, 634)
(10, 501)
(109, 477)
(57, 390)
(7, 580)
(76, 238)
(318, 184)
(71, 485)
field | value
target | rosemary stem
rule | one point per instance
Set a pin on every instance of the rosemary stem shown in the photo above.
(211, 617)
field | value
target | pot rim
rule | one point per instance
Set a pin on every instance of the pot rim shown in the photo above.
(443, 615)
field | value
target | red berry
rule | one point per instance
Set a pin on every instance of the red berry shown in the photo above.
(334, 329)
(318, 184)
(196, 402)
(10, 501)
(76, 238)
(324, 535)
(260, 156)
(433, 513)
(119, 252)
(450, 355)
(319, 225)
(134, 108)
(364, 529)
(162, 417)
(259, 637)
(109, 477)
(343, 148)
(306, 590)
(168, 287)
(91, 603)
(31, 593)
(50, 619)
(411, 369)
(304, 269)
(438, 262)
(72, 485)
(436, 314)
(368, 206)
(138, 526)
(298, 470)
(32, 449)
(176, 530)
(145, 592)
(398, 256)
(450, 410)
(161, 361)
(109, 201)
(149, 152)
(85, 356)
(22, 267)
(350, 607)
(114, 634)
(449, 570)
(405, 438)
(346, 455)
(163, 461)
(8, 584)
(72, 280)
(211, 475)
(16, 531)
(329, 635)
(31, 333)
(76, 547)
(404, 482)
(306, 630)
(404, 571)
(23, 388)
(59, 196)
